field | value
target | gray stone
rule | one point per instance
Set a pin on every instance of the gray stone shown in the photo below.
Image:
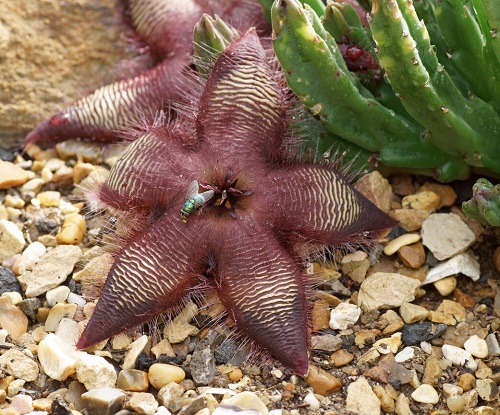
(446, 235)
(327, 342)
(103, 401)
(8, 282)
(30, 306)
(52, 269)
(203, 361)
(463, 263)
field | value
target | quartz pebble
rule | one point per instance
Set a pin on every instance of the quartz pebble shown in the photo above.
(11, 239)
(94, 371)
(425, 394)
(242, 403)
(12, 318)
(487, 389)
(57, 358)
(383, 290)
(493, 346)
(22, 403)
(406, 354)
(344, 315)
(161, 374)
(403, 240)
(476, 346)
(52, 269)
(132, 380)
(322, 382)
(464, 263)
(361, 399)
(57, 295)
(311, 401)
(103, 401)
(16, 363)
(446, 235)
(455, 403)
(459, 356)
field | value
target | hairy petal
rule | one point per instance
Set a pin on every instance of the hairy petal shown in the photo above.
(242, 108)
(152, 272)
(319, 204)
(100, 115)
(261, 287)
(152, 172)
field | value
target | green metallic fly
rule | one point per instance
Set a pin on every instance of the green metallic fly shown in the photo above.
(194, 200)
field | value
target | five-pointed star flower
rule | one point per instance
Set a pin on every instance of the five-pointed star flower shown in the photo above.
(247, 239)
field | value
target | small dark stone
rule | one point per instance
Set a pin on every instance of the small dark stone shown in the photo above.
(30, 306)
(6, 155)
(203, 361)
(336, 288)
(46, 226)
(8, 282)
(416, 333)
(347, 341)
(59, 407)
(175, 360)
(395, 232)
(143, 362)
(201, 321)
(225, 351)
(438, 331)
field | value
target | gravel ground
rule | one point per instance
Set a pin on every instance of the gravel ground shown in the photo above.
(411, 326)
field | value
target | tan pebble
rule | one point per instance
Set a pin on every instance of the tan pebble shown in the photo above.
(3, 396)
(161, 374)
(432, 370)
(43, 404)
(42, 313)
(73, 230)
(426, 200)
(376, 188)
(85, 150)
(453, 308)
(496, 258)
(320, 315)
(81, 171)
(46, 175)
(39, 334)
(386, 402)
(15, 297)
(483, 371)
(53, 164)
(11, 239)
(245, 402)
(14, 201)
(9, 411)
(235, 375)
(37, 166)
(36, 153)
(487, 389)
(16, 363)
(49, 198)
(455, 403)
(322, 382)
(24, 263)
(121, 341)
(410, 219)
(403, 240)
(13, 214)
(485, 410)
(446, 285)
(63, 175)
(412, 256)
(58, 312)
(12, 318)
(33, 185)
(133, 380)
(412, 313)
(354, 257)
(141, 403)
(341, 358)
(356, 270)
(5, 382)
(135, 349)
(446, 193)
(440, 317)
(12, 175)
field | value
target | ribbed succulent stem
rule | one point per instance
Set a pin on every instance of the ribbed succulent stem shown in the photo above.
(464, 127)
(317, 73)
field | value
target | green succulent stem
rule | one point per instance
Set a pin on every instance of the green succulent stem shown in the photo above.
(317, 73)
(485, 203)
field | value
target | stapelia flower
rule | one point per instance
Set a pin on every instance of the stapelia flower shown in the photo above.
(246, 239)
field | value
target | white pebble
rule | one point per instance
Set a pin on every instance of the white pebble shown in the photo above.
(57, 358)
(425, 394)
(426, 347)
(162, 411)
(3, 335)
(95, 372)
(344, 315)
(476, 347)
(312, 401)
(458, 356)
(35, 248)
(76, 299)
(57, 295)
(15, 297)
(406, 354)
